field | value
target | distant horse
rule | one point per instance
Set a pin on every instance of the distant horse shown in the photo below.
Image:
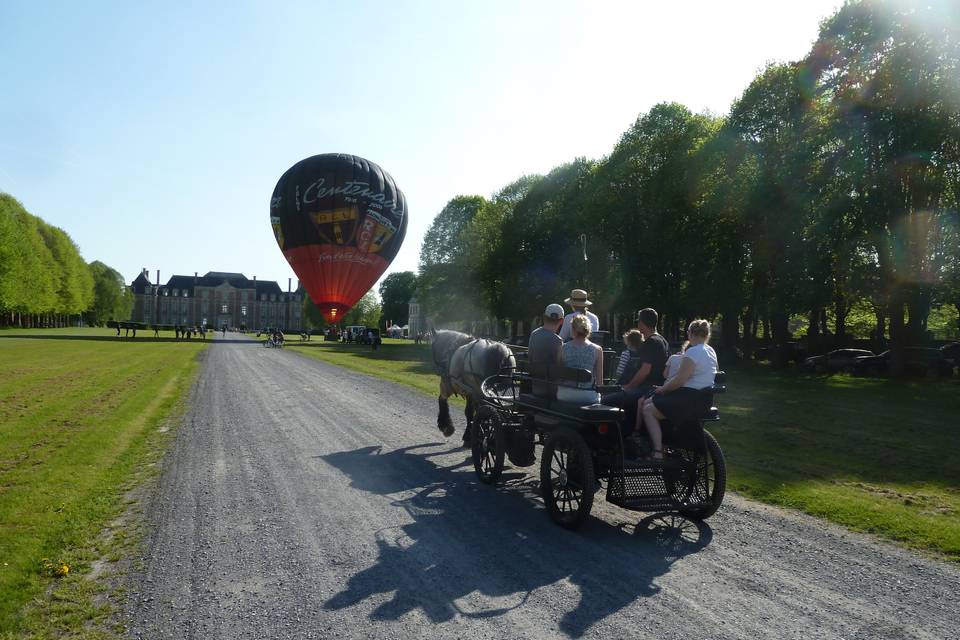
(463, 363)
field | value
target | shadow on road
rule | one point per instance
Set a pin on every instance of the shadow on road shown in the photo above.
(481, 552)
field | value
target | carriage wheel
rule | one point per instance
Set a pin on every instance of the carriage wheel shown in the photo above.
(488, 445)
(713, 467)
(566, 478)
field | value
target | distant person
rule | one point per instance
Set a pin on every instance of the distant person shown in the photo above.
(156, 331)
(224, 331)
(176, 331)
(127, 332)
(545, 346)
(578, 302)
(580, 353)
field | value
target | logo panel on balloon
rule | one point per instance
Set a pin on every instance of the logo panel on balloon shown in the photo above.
(277, 230)
(375, 232)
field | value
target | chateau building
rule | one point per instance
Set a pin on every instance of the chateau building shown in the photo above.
(217, 299)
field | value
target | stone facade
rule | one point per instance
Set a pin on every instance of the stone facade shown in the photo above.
(415, 323)
(217, 299)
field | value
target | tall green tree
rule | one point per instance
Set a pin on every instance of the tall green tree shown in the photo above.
(366, 312)
(892, 72)
(30, 286)
(445, 280)
(74, 282)
(395, 293)
(112, 298)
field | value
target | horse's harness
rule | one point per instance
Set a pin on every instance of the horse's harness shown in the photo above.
(443, 367)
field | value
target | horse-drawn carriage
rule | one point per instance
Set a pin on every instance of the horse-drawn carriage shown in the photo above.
(583, 448)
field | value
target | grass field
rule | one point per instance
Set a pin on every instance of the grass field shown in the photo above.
(875, 455)
(79, 417)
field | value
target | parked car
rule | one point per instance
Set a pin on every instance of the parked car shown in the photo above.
(951, 352)
(918, 361)
(837, 360)
(871, 365)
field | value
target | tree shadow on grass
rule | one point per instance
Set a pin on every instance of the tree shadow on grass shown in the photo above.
(480, 552)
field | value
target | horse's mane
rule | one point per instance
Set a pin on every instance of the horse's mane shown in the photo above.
(445, 342)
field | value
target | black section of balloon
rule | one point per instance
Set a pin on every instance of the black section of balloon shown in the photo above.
(339, 199)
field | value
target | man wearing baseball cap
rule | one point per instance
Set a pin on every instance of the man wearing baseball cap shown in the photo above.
(579, 303)
(545, 345)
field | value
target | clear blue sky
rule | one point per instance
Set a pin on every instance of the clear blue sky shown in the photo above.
(154, 132)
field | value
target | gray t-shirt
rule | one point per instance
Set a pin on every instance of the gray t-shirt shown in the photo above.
(543, 348)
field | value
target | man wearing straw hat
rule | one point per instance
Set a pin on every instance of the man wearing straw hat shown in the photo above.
(579, 303)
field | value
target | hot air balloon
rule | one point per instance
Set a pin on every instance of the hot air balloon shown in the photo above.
(339, 220)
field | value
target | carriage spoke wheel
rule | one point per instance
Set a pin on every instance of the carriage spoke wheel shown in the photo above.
(712, 481)
(566, 478)
(488, 446)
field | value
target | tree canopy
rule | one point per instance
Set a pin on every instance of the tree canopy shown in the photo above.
(831, 185)
(395, 293)
(43, 278)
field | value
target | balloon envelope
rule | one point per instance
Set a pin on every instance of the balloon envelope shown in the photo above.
(339, 220)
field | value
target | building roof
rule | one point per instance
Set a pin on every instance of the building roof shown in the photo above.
(140, 283)
(214, 279)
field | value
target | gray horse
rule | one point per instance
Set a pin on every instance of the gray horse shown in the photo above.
(463, 363)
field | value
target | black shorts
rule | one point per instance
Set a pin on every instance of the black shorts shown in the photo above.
(683, 403)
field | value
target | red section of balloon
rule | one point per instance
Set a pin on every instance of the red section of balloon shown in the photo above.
(335, 277)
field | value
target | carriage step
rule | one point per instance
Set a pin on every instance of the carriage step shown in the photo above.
(650, 485)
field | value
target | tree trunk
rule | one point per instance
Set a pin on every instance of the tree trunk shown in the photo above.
(898, 335)
(813, 324)
(729, 328)
(749, 329)
(880, 331)
(840, 311)
(918, 305)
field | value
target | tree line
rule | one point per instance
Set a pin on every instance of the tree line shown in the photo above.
(832, 183)
(44, 280)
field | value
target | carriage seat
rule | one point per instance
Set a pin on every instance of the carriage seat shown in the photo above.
(555, 375)
(719, 386)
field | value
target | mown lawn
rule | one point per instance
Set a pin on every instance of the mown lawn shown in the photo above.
(79, 416)
(874, 455)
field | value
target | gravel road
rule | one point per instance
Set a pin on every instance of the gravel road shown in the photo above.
(301, 500)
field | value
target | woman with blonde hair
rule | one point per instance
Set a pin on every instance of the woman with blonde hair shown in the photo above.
(684, 396)
(580, 353)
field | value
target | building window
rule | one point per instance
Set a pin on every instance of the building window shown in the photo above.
(243, 310)
(223, 308)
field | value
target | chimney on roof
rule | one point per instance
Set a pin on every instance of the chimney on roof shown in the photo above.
(158, 277)
(289, 280)
(194, 278)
